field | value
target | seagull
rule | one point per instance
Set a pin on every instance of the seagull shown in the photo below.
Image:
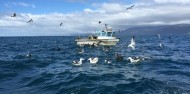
(30, 21)
(78, 63)
(61, 24)
(28, 55)
(81, 51)
(14, 15)
(134, 60)
(118, 56)
(130, 7)
(132, 44)
(93, 60)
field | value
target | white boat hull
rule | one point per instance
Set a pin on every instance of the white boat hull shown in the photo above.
(105, 42)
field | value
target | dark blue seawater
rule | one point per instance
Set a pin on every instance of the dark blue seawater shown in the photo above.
(50, 71)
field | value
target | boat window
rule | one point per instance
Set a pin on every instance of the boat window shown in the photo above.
(109, 34)
(103, 33)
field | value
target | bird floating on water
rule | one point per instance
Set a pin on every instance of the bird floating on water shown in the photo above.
(118, 56)
(93, 60)
(132, 44)
(161, 45)
(14, 15)
(134, 60)
(78, 63)
(29, 55)
(81, 51)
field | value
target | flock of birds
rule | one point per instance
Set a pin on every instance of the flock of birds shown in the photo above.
(118, 57)
(95, 59)
(61, 24)
(31, 20)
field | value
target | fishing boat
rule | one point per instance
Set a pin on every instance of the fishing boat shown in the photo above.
(105, 37)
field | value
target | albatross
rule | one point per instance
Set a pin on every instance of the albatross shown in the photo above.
(134, 60)
(78, 63)
(93, 60)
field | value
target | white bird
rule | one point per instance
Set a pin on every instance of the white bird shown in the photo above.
(132, 44)
(161, 45)
(134, 60)
(78, 63)
(158, 35)
(93, 60)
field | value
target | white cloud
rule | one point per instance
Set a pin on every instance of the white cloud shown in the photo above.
(173, 1)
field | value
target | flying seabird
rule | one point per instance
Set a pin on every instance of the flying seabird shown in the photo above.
(130, 7)
(99, 22)
(61, 24)
(132, 44)
(14, 15)
(78, 63)
(93, 60)
(30, 21)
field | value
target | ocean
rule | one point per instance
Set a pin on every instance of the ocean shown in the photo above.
(50, 71)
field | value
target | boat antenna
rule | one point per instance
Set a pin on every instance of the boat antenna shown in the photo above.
(106, 26)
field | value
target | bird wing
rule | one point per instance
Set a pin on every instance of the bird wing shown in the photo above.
(61, 24)
(14, 14)
(95, 60)
(74, 62)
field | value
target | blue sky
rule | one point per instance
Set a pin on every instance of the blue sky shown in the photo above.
(49, 6)
(82, 16)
